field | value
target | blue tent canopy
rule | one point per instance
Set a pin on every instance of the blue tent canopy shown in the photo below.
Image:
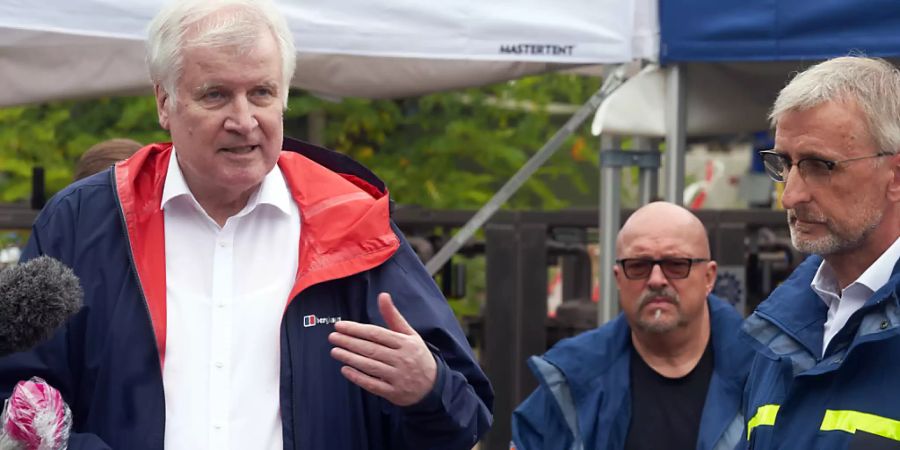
(777, 30)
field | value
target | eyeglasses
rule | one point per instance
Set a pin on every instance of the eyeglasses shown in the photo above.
(672, 268)
(811, 169)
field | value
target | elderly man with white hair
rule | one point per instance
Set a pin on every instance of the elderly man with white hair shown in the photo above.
(242, 290)
(828, 339)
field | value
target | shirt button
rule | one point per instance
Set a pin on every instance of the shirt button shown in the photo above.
(223, 244)
(220, 365)
(884, 324)
(836, 360)
(221, 305)
(217, 426)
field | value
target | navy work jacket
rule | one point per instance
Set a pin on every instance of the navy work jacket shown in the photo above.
(846, 398)
(584, 398)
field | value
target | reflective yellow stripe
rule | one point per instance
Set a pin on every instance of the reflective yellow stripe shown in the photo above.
(765, 415)
(850, 421)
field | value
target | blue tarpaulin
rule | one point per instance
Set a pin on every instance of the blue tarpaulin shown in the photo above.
(777, 30)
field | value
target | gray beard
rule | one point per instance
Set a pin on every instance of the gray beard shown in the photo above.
(832, 243)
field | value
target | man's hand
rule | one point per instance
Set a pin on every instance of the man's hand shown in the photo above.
(393, 362)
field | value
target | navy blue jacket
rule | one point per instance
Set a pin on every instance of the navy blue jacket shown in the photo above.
(107, 360)
(584, 400)
(847, 399)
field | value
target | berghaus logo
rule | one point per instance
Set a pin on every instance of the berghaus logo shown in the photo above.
(311, 320)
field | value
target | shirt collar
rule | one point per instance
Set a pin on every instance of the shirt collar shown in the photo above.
(877, 275)
(174, 186)
(272, 191)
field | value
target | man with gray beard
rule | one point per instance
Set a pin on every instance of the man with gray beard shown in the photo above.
(666, 374)
(827, 340)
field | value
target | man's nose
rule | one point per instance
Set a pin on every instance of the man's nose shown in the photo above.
(241, 118)
(657, 278)
(796, 190)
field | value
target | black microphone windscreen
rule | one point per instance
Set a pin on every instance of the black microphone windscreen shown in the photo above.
(36, 297)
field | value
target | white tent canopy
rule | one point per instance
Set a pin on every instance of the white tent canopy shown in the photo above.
(53, 49)
(724, 98)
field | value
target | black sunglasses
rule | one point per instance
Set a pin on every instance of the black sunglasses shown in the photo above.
(673, 268)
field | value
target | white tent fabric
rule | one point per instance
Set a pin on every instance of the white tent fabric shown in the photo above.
(723, 98)
(54, 49)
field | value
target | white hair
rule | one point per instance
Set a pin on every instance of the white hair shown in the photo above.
(214, 23)
(873, 83)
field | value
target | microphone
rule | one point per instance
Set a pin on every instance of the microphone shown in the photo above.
(36, 297)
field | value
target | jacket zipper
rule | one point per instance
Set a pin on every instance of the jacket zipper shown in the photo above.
(133, 267)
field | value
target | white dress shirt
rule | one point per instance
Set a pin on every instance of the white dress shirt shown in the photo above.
(842, 305)
(226, 290)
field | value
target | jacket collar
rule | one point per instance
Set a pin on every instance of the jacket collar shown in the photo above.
(789, 305)
(795, 309)
(345, 212)
(790, 323)
(586, 358)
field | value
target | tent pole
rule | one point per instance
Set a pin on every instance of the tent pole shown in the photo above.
(610, 217)
(610, 84)
(676, 133)
(648, 177)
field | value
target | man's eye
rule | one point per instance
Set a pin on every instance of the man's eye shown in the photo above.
(263, 92)
(215, 98)
(814, 166)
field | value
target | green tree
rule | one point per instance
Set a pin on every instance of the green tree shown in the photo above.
(454, 150)
(444, 150)
(54, 135)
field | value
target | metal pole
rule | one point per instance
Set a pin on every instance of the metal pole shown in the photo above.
(610, 84)
(648, 181)
(676, 133)
(610, 216)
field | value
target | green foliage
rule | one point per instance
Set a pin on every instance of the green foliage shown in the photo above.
(54, 136)
(454, 150)
(476, 286)
(444, 150)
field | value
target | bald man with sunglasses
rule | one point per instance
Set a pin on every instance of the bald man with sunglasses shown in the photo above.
(668, 373)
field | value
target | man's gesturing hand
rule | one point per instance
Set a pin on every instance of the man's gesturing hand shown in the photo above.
(391, 362)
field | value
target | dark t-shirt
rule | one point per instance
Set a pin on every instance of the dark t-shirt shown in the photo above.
(665, 412)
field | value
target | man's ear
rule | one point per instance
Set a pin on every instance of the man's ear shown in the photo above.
(162, 105)
(711, 270)
(617, 273)
(893, 190)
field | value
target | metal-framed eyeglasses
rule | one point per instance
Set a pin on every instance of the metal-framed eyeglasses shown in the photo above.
(672, 268)
(811, 169)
